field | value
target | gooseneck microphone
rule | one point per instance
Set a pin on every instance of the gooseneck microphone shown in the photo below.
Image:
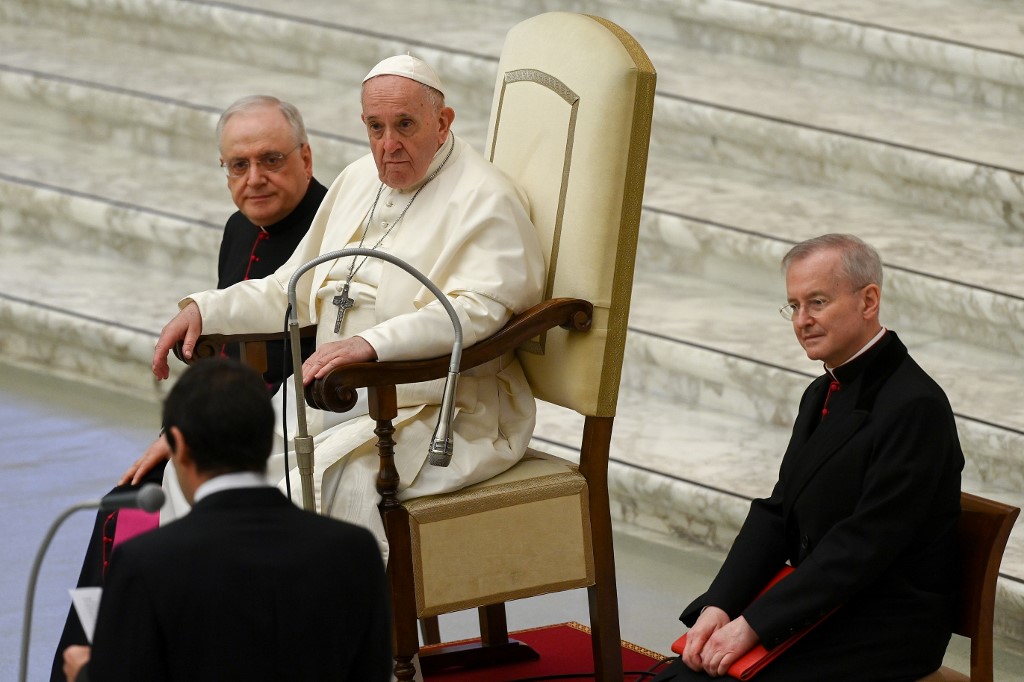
(440, 451)
(149, 497)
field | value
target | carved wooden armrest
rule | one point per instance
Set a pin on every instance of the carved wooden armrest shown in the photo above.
(254, 351)
(336, 391)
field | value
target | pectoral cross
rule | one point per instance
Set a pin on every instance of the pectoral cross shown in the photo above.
(344, 303)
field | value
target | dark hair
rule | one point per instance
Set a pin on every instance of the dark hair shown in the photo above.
(223, 410)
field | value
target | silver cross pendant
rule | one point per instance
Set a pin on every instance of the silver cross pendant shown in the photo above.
(344, 303)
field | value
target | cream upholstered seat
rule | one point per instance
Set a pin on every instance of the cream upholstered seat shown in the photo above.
(570, 123)
(517, 508)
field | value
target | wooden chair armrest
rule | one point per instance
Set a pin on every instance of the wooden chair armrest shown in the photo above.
(209, 345)
(336, 391)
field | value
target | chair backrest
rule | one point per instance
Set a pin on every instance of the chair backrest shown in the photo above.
(571, 123)
(984, 529)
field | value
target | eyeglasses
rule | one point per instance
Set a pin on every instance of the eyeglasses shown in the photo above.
(271, 162)
(813, 307)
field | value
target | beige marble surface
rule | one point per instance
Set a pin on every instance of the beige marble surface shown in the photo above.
(690, 202)
(990, 24)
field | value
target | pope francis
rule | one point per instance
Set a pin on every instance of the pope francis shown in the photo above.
(425, 196)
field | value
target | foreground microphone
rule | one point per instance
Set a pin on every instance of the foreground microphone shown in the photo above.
(440, 452)
(149, 497)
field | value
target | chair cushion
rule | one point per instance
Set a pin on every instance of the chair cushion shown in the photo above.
(495, 541)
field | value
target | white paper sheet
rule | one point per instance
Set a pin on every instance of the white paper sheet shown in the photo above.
(87, 606)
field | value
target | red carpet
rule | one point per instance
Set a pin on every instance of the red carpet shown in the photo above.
(563, 649)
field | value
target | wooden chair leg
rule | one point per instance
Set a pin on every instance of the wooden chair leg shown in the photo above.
(493, 625)
(383, 408)
(430, 630)
(495, 648)
(405, 638)
(603, 596)
(605, 637)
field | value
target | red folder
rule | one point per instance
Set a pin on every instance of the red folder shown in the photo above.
(751, 663)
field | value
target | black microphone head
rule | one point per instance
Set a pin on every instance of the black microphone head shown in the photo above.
(151, 497)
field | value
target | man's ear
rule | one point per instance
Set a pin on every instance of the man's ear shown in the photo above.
(179, 446)
(445, 119)
(307, 159)
(872, 298)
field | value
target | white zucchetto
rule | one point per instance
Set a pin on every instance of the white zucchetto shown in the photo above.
(407, 66)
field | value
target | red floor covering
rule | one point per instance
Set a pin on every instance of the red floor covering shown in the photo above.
(564, 649)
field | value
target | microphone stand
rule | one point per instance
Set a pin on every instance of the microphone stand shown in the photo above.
(440, 450)
(26, 626)
(149, 497)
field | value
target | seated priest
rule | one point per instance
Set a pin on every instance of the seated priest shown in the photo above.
(865, 508)
(425, 196)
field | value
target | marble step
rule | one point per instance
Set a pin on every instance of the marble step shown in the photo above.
(841, 130)
(120, 231)
(968, 51)
(880, 168)
(946, 276)
(983, 286)
(182, 133)
(873, 139)
(671, 154)
(78, 314)
(153, 121)
(471, 124)
(759, 377)
(980, 24)
(837, 130)
(230, 51)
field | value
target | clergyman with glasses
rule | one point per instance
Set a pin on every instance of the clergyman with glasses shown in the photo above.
(423, 195)
(865, 508)
(265, 154)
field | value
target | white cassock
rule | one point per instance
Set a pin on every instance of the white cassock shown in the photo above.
(469, 231)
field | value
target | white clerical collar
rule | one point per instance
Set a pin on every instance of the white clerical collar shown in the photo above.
(862, 351)
(238, 479)
(440, 156)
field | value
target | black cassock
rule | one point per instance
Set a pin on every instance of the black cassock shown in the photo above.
(866, 508)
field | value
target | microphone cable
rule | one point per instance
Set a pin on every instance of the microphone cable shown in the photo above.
(285, 362)
(638, 674)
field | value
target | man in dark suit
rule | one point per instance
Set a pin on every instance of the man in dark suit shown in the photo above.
(246, 586)
(865, 508)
